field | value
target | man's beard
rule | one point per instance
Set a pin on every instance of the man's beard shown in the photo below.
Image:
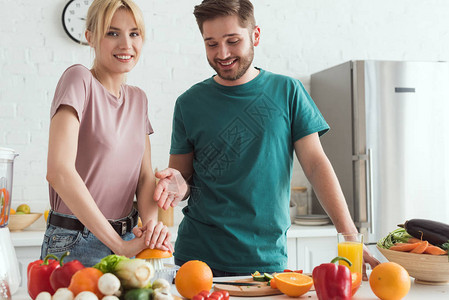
(244, 64)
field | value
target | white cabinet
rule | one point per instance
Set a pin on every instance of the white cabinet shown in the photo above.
(27, 245)
(310, 246)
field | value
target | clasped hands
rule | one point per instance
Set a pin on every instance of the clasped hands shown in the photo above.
(170, 190)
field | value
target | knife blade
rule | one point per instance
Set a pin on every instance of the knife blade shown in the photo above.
(236, 283)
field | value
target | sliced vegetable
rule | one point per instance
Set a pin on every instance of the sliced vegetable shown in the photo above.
(404, 247)
(259, 278)
(434, 250)
(421, 247)
(434, 232)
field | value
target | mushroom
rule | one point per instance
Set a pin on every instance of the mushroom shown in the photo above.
(43, 296)
(108, 284)
(63, 294)
(86, 295)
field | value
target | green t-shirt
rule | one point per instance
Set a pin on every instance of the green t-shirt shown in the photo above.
(243, 139)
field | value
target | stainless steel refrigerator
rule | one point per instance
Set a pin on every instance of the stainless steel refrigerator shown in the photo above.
(389, 140)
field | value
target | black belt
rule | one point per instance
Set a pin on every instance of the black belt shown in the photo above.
(121, 226)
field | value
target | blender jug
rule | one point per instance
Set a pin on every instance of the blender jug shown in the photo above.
(9, 267)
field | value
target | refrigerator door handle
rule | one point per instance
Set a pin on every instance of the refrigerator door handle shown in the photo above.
(369, 189)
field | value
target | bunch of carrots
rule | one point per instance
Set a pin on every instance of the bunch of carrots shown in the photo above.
(400, 240)
(414, 245)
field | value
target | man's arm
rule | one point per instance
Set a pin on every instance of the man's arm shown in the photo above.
(321, 175)
(172, 186)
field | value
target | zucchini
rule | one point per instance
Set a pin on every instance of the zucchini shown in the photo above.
(434, 232)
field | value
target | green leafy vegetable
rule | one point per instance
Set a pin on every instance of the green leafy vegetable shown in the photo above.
(445, 246)
(396, 236)
(108, 264)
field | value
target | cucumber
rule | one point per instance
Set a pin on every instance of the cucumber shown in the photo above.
(434, 232)
(267, 276)
(259, 278)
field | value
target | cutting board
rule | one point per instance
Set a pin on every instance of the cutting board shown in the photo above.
(262, 289)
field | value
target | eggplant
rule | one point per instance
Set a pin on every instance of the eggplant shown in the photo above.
(434, 232)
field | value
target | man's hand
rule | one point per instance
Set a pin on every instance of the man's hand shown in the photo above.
(171, 188)
(368, 258)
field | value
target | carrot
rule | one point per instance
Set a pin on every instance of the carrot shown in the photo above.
(414, 240)
(421, 247)
(434, 250)
(404, 247)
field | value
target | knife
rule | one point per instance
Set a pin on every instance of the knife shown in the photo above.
(236, 283)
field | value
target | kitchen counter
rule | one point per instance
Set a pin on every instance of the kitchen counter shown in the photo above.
(417, 292)
(27, 237)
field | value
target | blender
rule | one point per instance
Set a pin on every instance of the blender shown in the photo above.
(9, 267)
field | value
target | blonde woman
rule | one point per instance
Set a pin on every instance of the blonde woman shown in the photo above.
(99, 154)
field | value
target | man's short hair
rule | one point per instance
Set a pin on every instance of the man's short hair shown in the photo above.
(211, 9)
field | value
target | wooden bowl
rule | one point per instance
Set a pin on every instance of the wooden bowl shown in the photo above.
(20, 222)
(425, 268)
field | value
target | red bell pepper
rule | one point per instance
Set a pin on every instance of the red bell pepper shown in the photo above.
(38, 274)
(332, 281)
(60, 278)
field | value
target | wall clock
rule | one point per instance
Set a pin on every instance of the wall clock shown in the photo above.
(74, 19)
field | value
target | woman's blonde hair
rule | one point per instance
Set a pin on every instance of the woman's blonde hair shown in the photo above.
(100, 15)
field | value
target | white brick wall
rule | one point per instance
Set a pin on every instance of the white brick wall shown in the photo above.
(299, 37)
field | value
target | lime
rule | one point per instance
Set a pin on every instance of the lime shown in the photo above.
(19, 213)
(23, 208)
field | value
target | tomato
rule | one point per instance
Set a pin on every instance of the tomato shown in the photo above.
(198, 297)
(273, 284)
(225, 295)
(296, 271)
(204, 293)
(216, 296)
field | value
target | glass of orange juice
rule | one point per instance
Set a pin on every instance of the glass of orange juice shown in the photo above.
(350, 245)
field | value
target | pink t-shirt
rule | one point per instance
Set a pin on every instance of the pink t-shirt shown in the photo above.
(111, 139)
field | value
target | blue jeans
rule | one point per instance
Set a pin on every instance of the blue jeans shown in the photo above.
(82, 245)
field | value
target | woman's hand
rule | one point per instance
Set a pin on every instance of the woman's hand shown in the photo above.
(155, 235)
(368, 258)
(171, 188)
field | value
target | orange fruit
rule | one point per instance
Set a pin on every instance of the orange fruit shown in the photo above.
(389, 281)
(153, 253)
(86, 280)
(12, 211)
(46, 215)
(193, 277)
(293, 284)
(356, 282)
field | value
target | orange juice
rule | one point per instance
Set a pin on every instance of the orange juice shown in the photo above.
(354, 252)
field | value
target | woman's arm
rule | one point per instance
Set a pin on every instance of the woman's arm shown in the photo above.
(156, 233)
(65, 180)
